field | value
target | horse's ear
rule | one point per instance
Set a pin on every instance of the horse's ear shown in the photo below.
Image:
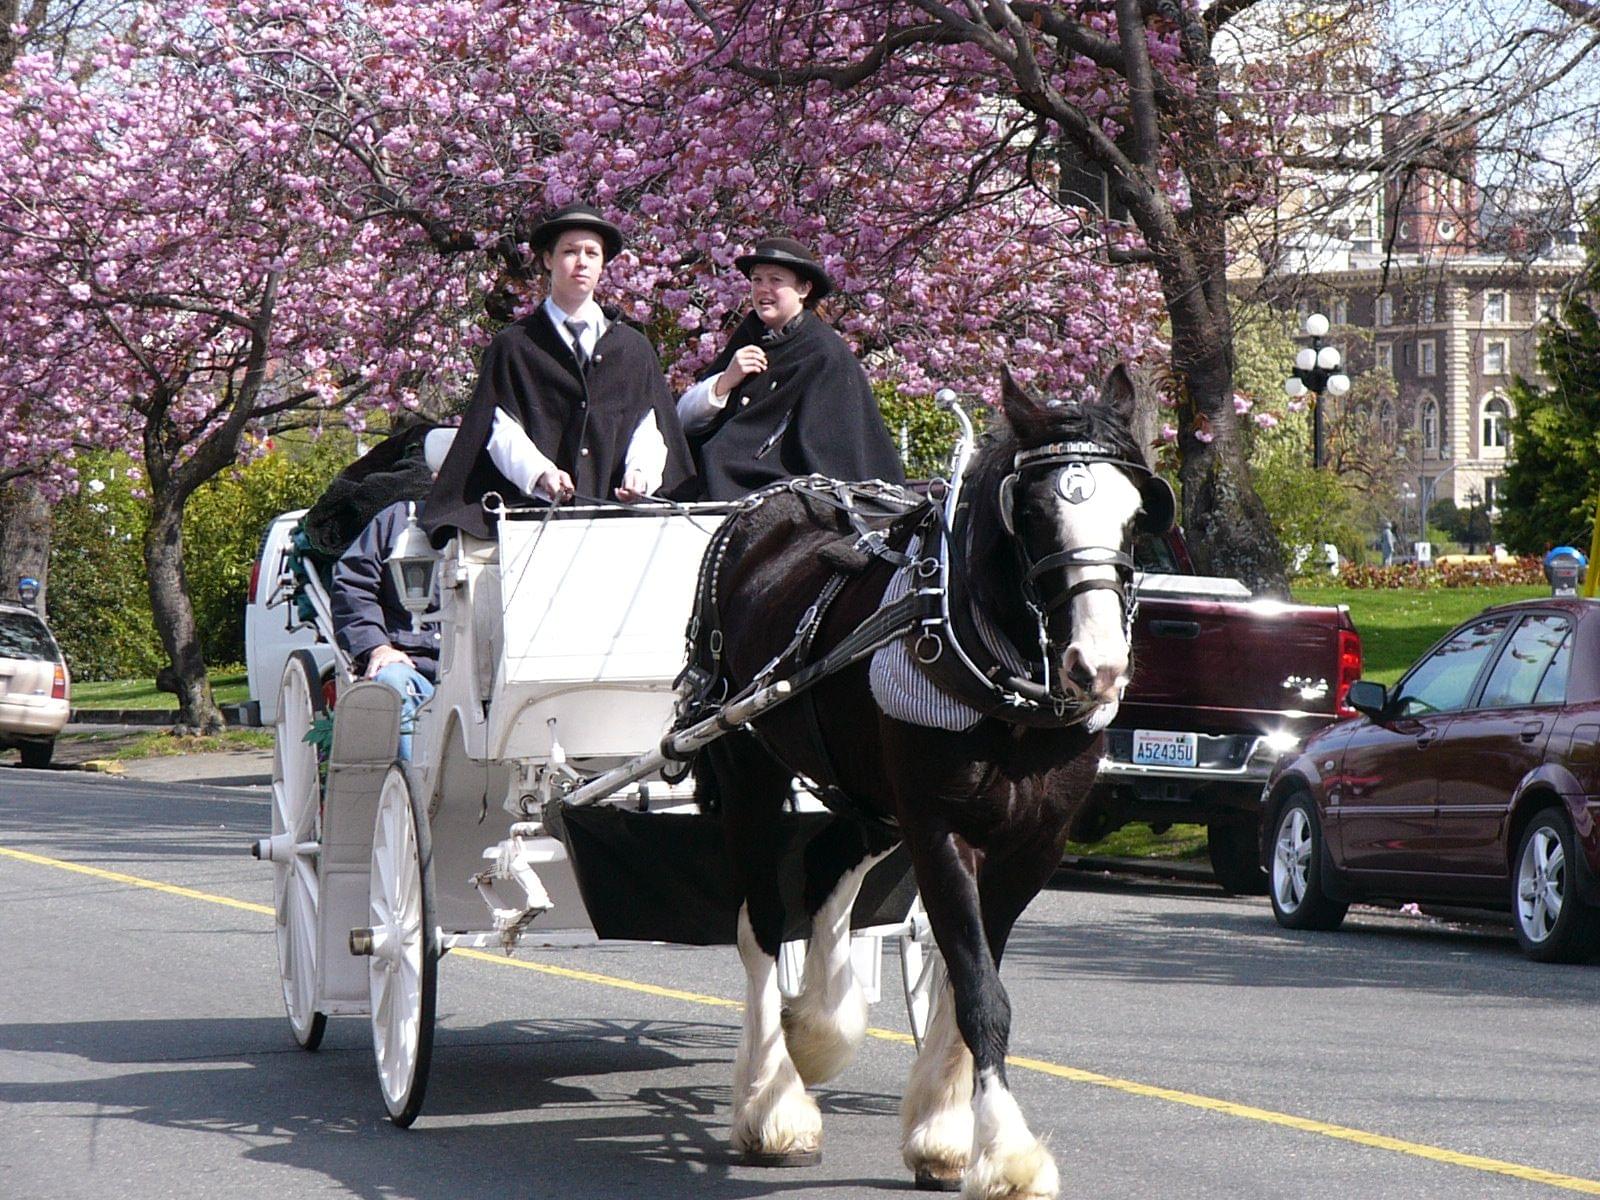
(1021, 407)
(1117, 393)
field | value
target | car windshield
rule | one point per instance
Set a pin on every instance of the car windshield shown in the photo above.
(1152, 553)
(23, 635)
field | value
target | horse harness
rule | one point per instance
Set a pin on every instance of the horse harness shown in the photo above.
(976, 664)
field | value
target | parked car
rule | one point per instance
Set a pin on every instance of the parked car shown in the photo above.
(272, 628)
(1223, 685)
(1474, 781)
(35, 689)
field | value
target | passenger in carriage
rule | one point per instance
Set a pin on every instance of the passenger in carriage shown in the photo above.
(786, 396)
(570, 401)
(370, 621)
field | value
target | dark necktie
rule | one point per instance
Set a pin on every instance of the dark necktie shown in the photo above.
(576, 327)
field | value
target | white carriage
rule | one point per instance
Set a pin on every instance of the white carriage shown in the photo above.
(560, 642)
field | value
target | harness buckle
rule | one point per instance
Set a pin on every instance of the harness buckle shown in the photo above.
(927, 657)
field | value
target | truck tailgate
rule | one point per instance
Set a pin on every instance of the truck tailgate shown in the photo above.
(1232, 665)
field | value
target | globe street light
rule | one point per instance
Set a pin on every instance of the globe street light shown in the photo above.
(1316, 370)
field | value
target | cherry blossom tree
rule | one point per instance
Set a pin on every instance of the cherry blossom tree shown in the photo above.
(175, 269)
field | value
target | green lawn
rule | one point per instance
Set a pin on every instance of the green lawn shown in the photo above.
(1397, 626)
(228, 685)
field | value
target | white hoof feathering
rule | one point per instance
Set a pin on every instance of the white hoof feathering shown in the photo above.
(824, 1025)
(771, 1112)
(1008, 1162)
(936, 1120)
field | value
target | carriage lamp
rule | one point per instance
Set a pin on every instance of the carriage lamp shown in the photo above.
(413, 562)
(28, 589)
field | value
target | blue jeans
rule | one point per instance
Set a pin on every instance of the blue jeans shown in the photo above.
(414, 688)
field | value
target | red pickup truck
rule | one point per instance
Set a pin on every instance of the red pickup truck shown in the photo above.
(1223, 685)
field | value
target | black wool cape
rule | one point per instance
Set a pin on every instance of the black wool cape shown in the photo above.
(581, 422)
(811, 412)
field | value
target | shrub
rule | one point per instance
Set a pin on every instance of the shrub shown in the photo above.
(99, 597)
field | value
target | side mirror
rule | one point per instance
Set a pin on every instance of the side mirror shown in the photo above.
(1368, 698)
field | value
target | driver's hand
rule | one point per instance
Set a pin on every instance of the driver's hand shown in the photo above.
(634, 487)
(556, 484)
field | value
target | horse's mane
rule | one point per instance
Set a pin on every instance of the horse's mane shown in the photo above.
(991, 563)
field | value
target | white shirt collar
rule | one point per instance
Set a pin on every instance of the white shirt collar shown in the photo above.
(589, 313)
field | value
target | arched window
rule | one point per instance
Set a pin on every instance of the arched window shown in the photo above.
(1496, 424)
(1430, 426)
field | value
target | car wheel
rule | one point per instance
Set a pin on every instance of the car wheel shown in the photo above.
(1235, 854)
(1298, 900)
(1551, 920)
(36, 755)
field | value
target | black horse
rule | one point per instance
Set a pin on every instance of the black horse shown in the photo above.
(1039, 558)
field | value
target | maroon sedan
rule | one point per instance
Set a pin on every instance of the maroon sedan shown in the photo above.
(1474, 781)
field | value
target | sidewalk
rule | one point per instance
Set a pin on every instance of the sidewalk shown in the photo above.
(226, 768)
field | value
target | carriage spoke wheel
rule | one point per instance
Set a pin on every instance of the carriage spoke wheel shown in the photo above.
(921, 970)
(296, 834)
(402, 972)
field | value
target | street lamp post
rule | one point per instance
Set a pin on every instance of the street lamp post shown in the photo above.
(1316, 370)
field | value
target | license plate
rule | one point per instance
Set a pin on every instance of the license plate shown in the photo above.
(1158, 748)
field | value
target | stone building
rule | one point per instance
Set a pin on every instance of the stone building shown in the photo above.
(1452, 329)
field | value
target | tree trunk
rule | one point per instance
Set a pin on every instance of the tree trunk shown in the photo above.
(26, 523)
(174, 618)
(1225, 524)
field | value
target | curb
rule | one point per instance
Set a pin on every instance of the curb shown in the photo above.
(236, 714)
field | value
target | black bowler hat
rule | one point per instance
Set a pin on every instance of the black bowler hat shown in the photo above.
(577, 216)
(786, 252)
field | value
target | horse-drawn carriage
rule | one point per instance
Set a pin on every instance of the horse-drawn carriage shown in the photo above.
(561, 641)
(953, 660)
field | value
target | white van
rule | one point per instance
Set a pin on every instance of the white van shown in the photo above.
(272, 629)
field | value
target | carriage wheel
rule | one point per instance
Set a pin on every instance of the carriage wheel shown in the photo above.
(402, 971)
(296, 825)
(921, 970)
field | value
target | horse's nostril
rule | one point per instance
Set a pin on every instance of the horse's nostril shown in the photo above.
(1079, 674)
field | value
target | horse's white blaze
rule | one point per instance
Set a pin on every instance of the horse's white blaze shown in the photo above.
(827, 1021)
(936, 1114)
(1007, 1160)
(1099, 647)
(771, 1112)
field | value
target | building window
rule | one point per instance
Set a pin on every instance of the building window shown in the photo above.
(1386, 421)
(1496, 308)
(1428, 357)
(1548, 306)
(1425, 307)
(1386, 310)
(1341, 312)
(1385, 357)
(1494, 491)
(1496, 424)
(1430, 425)
(1496, 356)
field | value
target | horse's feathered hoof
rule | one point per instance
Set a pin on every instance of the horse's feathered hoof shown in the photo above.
(777, 1158)
(931, 1181)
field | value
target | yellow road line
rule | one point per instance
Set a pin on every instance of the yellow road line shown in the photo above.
(1343, 1133)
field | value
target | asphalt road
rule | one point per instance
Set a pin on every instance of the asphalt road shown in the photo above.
(1171, 1042)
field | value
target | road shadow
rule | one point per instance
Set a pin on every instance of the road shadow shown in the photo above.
(545, 1108)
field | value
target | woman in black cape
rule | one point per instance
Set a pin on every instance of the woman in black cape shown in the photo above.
(786, 396)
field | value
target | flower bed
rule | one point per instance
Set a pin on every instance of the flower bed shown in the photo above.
(1515, 572)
